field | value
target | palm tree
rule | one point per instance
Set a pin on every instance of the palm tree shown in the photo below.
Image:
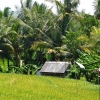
(42, 23)
(5, 30)
(70, 7)
(95, 39)
(92, 43)
(9, 34)
(97, 9)
(65, 9)
(41, 47)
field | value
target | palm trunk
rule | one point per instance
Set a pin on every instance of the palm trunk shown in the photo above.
(17, 59)
(66, 17)
(8, 62)
(65, 24)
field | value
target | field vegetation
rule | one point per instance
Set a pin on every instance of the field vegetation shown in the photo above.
(31, 87)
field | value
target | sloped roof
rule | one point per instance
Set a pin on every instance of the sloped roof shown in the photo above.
(54, 67)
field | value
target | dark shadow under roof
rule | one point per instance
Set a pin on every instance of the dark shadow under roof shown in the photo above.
(54, 67)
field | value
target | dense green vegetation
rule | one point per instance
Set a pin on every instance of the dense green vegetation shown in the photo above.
(33, 34)
(22, 87)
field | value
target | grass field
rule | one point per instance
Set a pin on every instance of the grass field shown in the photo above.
(25, 87)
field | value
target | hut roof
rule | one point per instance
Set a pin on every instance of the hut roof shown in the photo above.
(54, 67)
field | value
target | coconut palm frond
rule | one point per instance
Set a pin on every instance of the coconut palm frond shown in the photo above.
(60, 17)
(49, 50)
(6, 47)
(28, 3)
(95, 36)
(45, 24)
(7, 30)
(57, 48)
(57, 3)
(63, 53)
(86, 49)
(41, 44)
(63, 47)
(4, 30)
(75, 3)
(6, 11)
(4, 40)
(13, 32)
(23, 24)
(28, 13)
(1, 15)
(46, 37)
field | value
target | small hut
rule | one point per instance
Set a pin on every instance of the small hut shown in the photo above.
(53, 68)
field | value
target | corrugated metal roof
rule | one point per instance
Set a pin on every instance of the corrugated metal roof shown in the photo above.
(54, 67)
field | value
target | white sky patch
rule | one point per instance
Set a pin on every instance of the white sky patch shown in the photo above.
(9, 3)
(86, 5)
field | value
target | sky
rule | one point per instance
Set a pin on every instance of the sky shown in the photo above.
(86, 5)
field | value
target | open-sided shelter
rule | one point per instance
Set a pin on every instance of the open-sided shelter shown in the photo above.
(55, 68)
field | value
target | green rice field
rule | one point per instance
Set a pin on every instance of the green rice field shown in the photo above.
(32, 87)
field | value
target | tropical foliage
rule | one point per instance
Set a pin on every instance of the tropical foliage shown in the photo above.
(34, 34)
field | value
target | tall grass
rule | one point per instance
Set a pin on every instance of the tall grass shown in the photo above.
(25, 87)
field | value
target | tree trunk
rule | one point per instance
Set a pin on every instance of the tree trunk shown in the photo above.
(17, 59)
(8, 63)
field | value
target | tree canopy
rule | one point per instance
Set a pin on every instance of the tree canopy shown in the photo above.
(36, 34)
